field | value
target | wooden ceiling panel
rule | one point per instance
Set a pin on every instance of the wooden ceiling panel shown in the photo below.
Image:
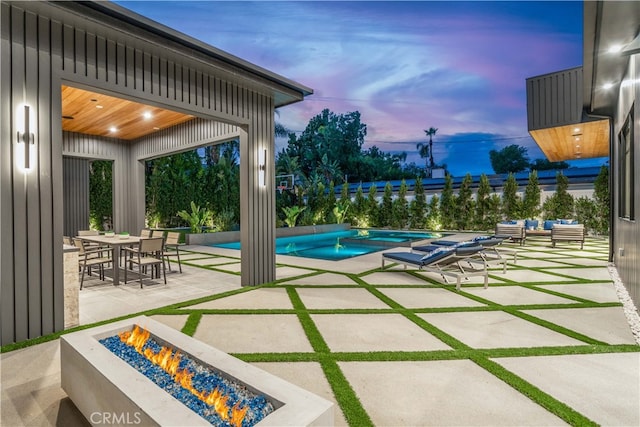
(572, 142)
(96, 114)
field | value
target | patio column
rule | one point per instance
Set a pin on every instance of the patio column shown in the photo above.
(257, 196)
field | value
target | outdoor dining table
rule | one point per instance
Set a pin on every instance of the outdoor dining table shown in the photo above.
(116, 242)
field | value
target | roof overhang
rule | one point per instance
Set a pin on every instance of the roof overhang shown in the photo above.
(607, 24)
(576, 141)
(284, 90)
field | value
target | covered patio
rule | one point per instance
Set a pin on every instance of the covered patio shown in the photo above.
(163, 93)
(548, 343)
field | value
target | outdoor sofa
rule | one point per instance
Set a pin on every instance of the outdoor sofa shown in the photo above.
(445, 261)
(568, 233)
(514, 231)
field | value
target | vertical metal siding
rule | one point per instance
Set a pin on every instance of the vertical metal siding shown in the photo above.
(627, 233)
(7, 295)
(102, 148)
(257, 203)
(76, 195)
(554, 99)
(51, 264)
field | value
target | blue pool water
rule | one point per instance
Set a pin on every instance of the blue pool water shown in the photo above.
(340, 245)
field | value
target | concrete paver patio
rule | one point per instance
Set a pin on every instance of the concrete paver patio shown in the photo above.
(545, 344)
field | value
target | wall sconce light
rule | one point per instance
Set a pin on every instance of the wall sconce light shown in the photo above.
(262, 165)
(26, 139)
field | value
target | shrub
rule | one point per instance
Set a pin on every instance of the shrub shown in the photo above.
(292, 214)
(198, 218)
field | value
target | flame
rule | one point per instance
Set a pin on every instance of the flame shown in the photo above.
(169, 361)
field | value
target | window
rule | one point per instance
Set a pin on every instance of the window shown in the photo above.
(626, 180)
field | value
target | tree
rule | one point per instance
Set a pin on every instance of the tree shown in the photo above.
(433, 220)
(602, 200)
(464, 204)
(560, 204)
(101, 194)
(372, 206)
(531, 200)
(587, 213)
(424, 150)
(447, 204)
(494, 214)
(400, 218)
(418, 205)
(385, 212)
(330, 203)
(544, 164)
(431, 132)
(483, 204)
(511, 205)
(338, 136)
(345, 202)
(512, 158)
(173, 182)
(280, 130)
(359, 209)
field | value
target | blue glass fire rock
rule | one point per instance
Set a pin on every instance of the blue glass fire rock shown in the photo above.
(205, 378)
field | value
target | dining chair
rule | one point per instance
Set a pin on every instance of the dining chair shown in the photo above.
(91, 256)
(145, 233)
(147, 254)
(172, 248)
(91, 245)
(157, 233)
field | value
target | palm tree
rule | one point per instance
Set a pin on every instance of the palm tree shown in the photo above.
(280, 130)
(423, 151)
(431, 132)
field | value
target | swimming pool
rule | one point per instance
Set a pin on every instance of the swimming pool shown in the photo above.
(341, 245)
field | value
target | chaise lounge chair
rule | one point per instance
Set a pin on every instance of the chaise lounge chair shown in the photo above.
(490, 254)
(445, 261)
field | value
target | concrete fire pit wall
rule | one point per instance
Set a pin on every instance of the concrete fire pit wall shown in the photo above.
(103, 386)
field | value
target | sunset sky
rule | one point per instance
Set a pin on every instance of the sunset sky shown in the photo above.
(456, 66)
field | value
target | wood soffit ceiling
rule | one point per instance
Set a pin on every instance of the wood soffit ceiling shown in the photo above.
(573, 142)
(96, 114)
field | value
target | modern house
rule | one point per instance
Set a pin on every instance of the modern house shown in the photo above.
(593, 111)
(165, 92)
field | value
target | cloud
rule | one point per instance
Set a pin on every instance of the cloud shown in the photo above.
(406, 66)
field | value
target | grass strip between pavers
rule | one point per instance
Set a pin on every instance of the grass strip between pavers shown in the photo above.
(542, 289)
(554, 327)
(191, 324)
(543, 399)
(352, 408)
(434, 355)
(314, 336)
(410, 315)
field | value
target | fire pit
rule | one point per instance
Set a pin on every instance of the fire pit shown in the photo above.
(109, 390)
